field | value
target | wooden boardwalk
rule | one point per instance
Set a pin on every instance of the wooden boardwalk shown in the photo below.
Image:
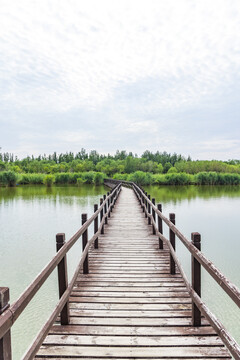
(129, 306)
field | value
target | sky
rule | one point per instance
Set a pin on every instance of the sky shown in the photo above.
(134, 75)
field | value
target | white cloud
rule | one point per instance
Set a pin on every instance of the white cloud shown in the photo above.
(150, 58)
(77, 52)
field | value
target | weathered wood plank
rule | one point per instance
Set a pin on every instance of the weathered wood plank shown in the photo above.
(174, 321)
(139, 307)
(132, 352)
(133, 330)
(133, 340)
(130, 313)
(132, 300)
(129, 294)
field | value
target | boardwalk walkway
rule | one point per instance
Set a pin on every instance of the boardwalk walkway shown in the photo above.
(128, 306)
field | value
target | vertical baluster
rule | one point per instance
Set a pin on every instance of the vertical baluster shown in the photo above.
(96, 226)
(154, 217)
(101, 217)
(149, 210)
(196, 279)
(62, 279)
(109, 204)
(84, 243)
(172, 241)
(105, 209)
(160, 227)
(111, 200)
(145, 203)
(5, 341)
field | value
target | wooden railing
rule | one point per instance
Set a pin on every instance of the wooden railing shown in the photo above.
(9, 314)
(199, 308)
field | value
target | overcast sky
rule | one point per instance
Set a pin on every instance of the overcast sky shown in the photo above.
(114, 74)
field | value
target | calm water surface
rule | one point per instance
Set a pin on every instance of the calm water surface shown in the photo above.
(30, 217)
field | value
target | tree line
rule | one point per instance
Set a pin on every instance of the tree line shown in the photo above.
(92, 167)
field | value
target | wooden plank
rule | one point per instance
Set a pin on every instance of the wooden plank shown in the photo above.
(121, 294)
(135, 358)
(133, 330)
(174, 321)
(133, 340)
(134, 306)
(132, 352)
(130, 313)
(131, 300)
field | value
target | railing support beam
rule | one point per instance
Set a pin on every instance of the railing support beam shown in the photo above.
(84, 243)
(105, 209)
(196, 279)
(149, 210)
(101, 216)
(96, 226)
(5, 341)
(172, 241)
(154, 217)
(160, 227)
(62, 279)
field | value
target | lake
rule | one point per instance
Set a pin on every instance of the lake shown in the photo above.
(32, 215)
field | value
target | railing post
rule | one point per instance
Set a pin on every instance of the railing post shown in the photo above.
(105, 209)
(172, 241)
(145, 203)
(84, 243)
(160, 228)
(149, 211)
(196, 279)
(5, 342)
(101, 216)
(142, 201)
(96, 226)
(154, 217)
(62, 279)
(109, 202)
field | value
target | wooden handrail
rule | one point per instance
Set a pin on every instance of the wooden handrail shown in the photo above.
(217, 275)
(31, 352)
(9, 316)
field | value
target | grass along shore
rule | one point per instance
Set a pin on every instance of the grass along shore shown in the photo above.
(11, 178)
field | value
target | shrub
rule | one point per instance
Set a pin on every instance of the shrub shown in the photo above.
(31, 179)
(88, 177)
(159, 179)
(120, 176)
(48, 180)
(8, 178)
(178, 179)
(73, 178)
(80, 181)
(141, 178)
(172, 170)
(98, 178)
(206, 178)
(62, 178)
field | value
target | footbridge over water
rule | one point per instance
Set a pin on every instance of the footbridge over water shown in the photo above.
(129, 297)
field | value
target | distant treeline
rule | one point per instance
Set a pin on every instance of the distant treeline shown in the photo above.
(83, 167)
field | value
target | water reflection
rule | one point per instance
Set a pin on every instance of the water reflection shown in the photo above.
(176, 194)
(30, 218)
